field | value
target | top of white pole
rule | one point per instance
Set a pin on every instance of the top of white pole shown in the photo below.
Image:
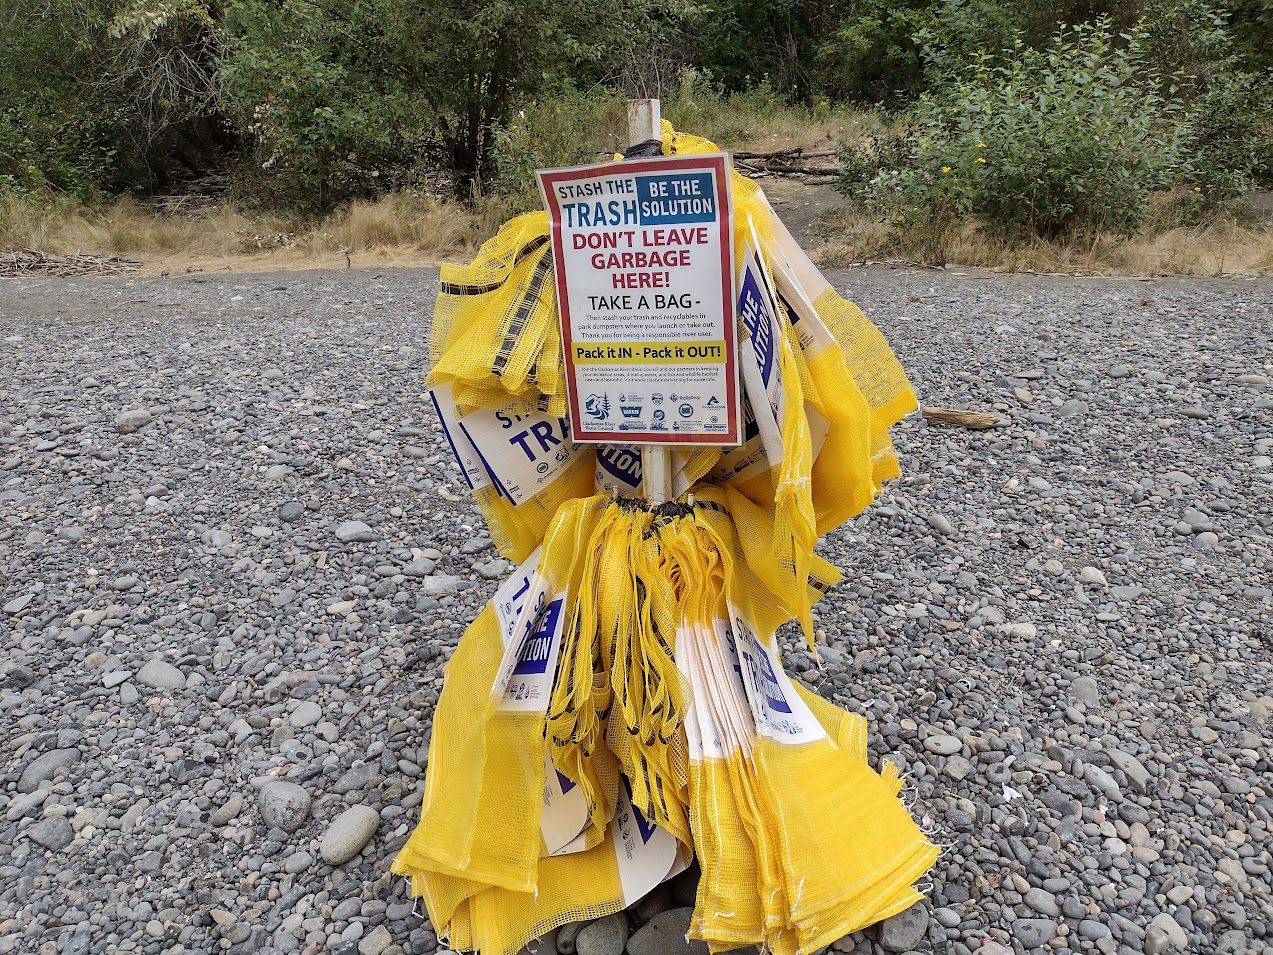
(644, 121)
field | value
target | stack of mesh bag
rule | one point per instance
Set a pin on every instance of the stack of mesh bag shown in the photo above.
(620, 708)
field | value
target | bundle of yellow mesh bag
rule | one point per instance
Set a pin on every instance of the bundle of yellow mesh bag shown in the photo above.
(620, 709)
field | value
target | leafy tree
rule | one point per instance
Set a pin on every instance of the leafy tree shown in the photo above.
(103, 95)
(342, 98)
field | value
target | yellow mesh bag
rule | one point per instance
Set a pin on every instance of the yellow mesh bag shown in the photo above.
(497, 750)
(666, 701)
(848, 851)
(495, 330)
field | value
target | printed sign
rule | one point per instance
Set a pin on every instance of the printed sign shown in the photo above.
(645, 287)
(523, 453)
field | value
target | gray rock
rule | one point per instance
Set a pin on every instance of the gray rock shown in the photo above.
(665, 934)
(375, 941)
(943, 745)
(902, 932)
(45, 766)
(420, 567)
(307, 713)
(1084, 690)
(298, 862)
(18, 604)
(1032, 933)
(227, 811)
(1092, 929)
(348, 833)
(1092, 575)
(284, 805)
(1164, 934)
(1042, 902)
(1131, 767)
(160, 675)
(53, 833)
(941, 525)
(291, 512)
(441, 585)
(605, 936)
(567, 935)
(126, 422)
(1103, 782)
(354, 532)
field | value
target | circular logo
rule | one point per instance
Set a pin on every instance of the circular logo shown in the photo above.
(542, 467)
(686, 410)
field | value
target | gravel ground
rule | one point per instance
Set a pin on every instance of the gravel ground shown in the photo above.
(234, 556)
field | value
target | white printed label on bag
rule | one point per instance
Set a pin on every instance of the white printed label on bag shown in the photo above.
(761, 357)
(645, 852)
(462, 449)
(565, 811)
(703, 735)
(810, 329)
(524, 453)
(531, 622)
(618, 469)
(748, 459)
(779, 711)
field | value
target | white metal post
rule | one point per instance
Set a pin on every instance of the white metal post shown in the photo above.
(644, 124)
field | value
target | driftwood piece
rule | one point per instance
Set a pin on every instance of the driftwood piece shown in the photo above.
(31, 262)
(793, 161)
(798, 152)
(960, 418)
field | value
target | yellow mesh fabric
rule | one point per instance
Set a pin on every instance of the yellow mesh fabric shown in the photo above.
(495, 329)
(664, 714)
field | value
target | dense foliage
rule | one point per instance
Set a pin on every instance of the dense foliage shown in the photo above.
(1086, 107)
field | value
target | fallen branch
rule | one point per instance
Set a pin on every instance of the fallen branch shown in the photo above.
(793, 151)
(784, 162)
(960, 418)
(30, 262)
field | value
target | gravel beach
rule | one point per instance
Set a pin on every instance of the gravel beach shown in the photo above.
(235, 555)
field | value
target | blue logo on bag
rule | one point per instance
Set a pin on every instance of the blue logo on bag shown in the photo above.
(644, 827)
(564, 781)
(622, 463)
(533, 656)
(754, 310)
(766, 680)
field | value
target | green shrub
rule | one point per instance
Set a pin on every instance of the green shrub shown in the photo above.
(565, 128)
(1229, 150)
(1040, 142)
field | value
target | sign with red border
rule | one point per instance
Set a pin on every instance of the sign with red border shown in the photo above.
(645, 289)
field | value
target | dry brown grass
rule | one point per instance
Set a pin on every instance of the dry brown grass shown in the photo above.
(413, 228)
(403, 227)
(1224, 247)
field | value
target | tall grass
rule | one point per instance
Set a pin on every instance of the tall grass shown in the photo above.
(408, 223)
(1218, 248)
